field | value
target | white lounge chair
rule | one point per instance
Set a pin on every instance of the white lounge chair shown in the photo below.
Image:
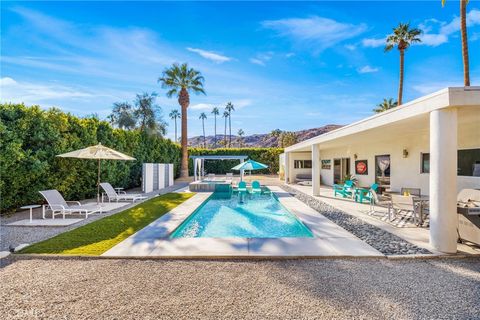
(122, 195)
(58, 205)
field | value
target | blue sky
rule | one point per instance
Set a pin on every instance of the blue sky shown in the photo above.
(284, 65)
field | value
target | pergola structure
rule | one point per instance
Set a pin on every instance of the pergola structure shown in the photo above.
(199, 162)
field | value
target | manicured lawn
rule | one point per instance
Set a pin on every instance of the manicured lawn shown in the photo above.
(97, 237)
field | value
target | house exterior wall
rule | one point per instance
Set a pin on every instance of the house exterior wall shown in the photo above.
(298, 156)
(404, 172)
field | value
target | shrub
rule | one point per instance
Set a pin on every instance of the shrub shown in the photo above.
(31, 138)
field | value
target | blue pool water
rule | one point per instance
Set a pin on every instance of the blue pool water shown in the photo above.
(258, 216)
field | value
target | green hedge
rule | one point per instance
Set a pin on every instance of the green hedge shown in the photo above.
(268, 156)
(31, 137)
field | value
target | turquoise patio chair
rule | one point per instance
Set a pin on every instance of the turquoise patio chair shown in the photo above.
(242, 186)
(366, 194)
(346, 190)
(256, 187)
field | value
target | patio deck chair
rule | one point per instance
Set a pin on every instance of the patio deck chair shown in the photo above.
(122, 195)
(242, 186)
(400, 203)
(58, 205)
(256, 187)
(346, 190)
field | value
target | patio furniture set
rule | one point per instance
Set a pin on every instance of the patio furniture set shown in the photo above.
(59, 206)
(408, 200)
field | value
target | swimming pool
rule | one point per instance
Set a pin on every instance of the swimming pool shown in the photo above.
(223, 215)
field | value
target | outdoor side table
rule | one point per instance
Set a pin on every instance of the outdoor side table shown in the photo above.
(31, 207)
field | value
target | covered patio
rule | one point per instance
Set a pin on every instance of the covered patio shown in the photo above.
(423, 143)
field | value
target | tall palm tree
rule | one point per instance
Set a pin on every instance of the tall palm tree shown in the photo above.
(463, 31)
(174, 115)
(215, 113)
(240, 133)
(180, 80)
(229, 108)
(202, 117)
(225, 115)
(402, 37)
(385, 105)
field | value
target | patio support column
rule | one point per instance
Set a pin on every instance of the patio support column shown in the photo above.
(287, 167)
(315, 170)
(443, 180)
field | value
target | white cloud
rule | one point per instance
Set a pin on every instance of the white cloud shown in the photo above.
(350, 47)
(367, 69)
(373, 42)
(37, 93)
(315, 31)
(433, 39)
(215, 57)
(290, 54)
(257, 61)
(262, 58)
(202, 106)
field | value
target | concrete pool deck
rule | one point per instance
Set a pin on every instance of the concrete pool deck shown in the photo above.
(330, 239)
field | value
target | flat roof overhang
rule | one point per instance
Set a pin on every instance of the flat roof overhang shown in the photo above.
(410, 118)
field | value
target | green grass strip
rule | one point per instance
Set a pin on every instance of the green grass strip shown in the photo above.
(97, 237)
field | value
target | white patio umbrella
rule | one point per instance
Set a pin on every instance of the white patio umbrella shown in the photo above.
(98, 152)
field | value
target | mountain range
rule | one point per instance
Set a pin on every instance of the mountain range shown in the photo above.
(263, 139)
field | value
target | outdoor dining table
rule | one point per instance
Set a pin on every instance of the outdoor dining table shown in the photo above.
(420, 200)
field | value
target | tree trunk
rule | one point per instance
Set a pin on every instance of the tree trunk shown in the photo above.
(184, 101)
(225, 134)
(215, 133)
(204, 139)
(400, 84)
(176, 140)
(463, 28)
(230, 131)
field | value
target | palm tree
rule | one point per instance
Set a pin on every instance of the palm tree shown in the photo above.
(385, 105)
(180, 80)
(402, 37)
(463, 31)
(148, 114)
(240, 133)
(202, 117)
(225, 115)
(174, 115)
(229, 108)
(215, 113)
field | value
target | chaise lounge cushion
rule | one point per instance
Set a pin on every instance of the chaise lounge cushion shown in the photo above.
(303, 177)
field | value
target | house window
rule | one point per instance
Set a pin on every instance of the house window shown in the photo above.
(302, 164)
(468, 162)
(425, 165)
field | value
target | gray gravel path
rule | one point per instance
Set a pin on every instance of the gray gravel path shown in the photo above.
(383, 241)
(14, 236)
(282, 289)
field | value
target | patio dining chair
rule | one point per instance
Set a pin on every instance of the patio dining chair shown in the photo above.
(379, 200)
(411, 191)
(400, 203)
(58, 205)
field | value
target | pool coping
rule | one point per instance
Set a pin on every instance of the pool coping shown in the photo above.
(330, 240)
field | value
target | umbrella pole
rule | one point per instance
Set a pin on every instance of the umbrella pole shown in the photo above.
(98, 183)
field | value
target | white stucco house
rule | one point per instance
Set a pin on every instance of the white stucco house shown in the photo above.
(432, 143)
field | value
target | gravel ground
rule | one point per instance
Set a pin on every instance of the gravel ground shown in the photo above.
(383, 241)
(14, 236)
(225, 289)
